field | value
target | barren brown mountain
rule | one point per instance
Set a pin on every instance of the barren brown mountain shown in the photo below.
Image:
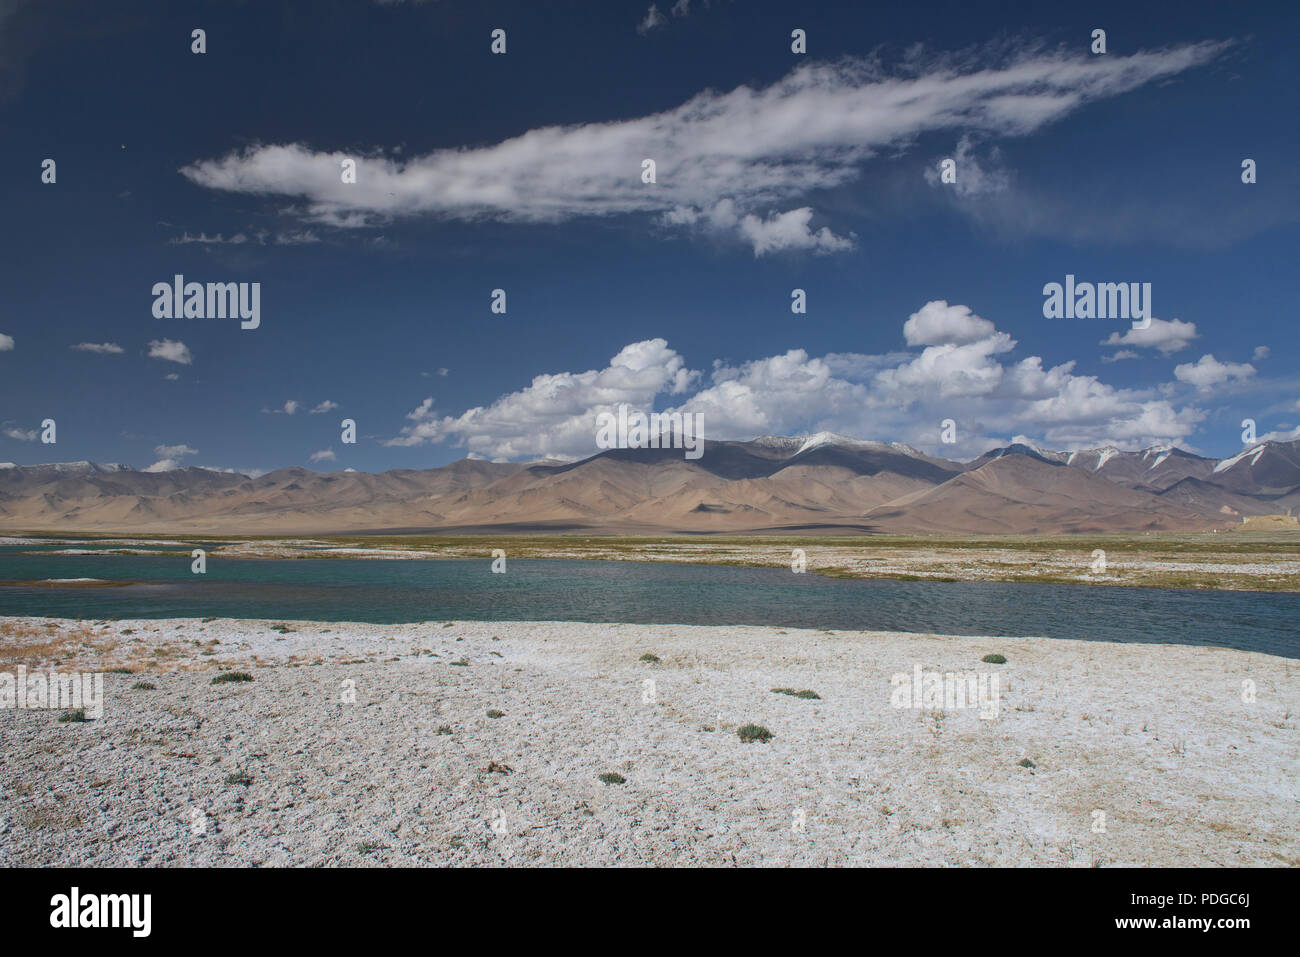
(823, 483)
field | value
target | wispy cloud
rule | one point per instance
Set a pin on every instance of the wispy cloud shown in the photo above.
(99, 348)
(169, 457)
(761, 150)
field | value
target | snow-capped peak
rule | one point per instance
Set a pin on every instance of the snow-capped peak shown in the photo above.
(834, 438)
(1255, 451)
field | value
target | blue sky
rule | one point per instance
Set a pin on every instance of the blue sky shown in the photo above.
(522, 172)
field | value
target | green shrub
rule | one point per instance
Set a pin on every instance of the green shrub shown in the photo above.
(754, 732)
(494, 713)
(612, 777)
(227, 676)
(143, 686)
(75, 716)
(653, 659)
(807, 695)
(994, 660)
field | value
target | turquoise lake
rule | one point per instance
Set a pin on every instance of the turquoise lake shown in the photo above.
(338, 589)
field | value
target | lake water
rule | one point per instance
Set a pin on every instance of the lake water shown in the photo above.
(642, 592)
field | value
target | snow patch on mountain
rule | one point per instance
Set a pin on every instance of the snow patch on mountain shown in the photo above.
(1254, 452)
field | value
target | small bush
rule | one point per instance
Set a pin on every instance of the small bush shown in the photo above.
(75, 716)
(144, 686)
(120, 671)
(463, 663)
(239, 777)
(1026, 763)
(443, 729)
(494, 713)
(754, 732)
(612, 777)
(994, 660)
(805, 694)
(227, 676)
(653, 659)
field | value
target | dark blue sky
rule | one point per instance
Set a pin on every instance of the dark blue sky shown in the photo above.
(786, 171)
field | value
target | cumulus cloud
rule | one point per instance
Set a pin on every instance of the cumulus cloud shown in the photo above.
(6, 343)
(326, 406)
(169, 457)
(763, 149)
(22, 435)
(1166, 335)
(1121, 354)
(1261, 352)
(1207, 372)
(962, 371)
(937, 323)
(290, 407)
(324, 455)
(99, 348)
(554, 415)
(170, 350)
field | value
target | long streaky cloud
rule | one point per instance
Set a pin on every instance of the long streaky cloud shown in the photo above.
(755, 151)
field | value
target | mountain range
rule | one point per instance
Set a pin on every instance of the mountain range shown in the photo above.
(818, 484)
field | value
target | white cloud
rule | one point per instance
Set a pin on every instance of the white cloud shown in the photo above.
(1121, 354)
(326, 406)
(1166, 335)
(23, 435)
(169, 457)
(973, 177)
(1261, 352)
(99, 348)
(937, 323)
(324, 455)
(6, 343)
(555, 414)
(1289, 435)
(170, 350)
(653, 20)
(763, 150)
(259, 237)
(290, 407)
(1208, 372)
(961, 372)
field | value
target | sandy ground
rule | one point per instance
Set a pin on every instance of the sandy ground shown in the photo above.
(1141, 754)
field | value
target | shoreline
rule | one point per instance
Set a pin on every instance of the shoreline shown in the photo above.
(1237, 561)
(1157, 738)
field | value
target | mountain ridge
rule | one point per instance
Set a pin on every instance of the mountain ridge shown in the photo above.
(770, 483)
